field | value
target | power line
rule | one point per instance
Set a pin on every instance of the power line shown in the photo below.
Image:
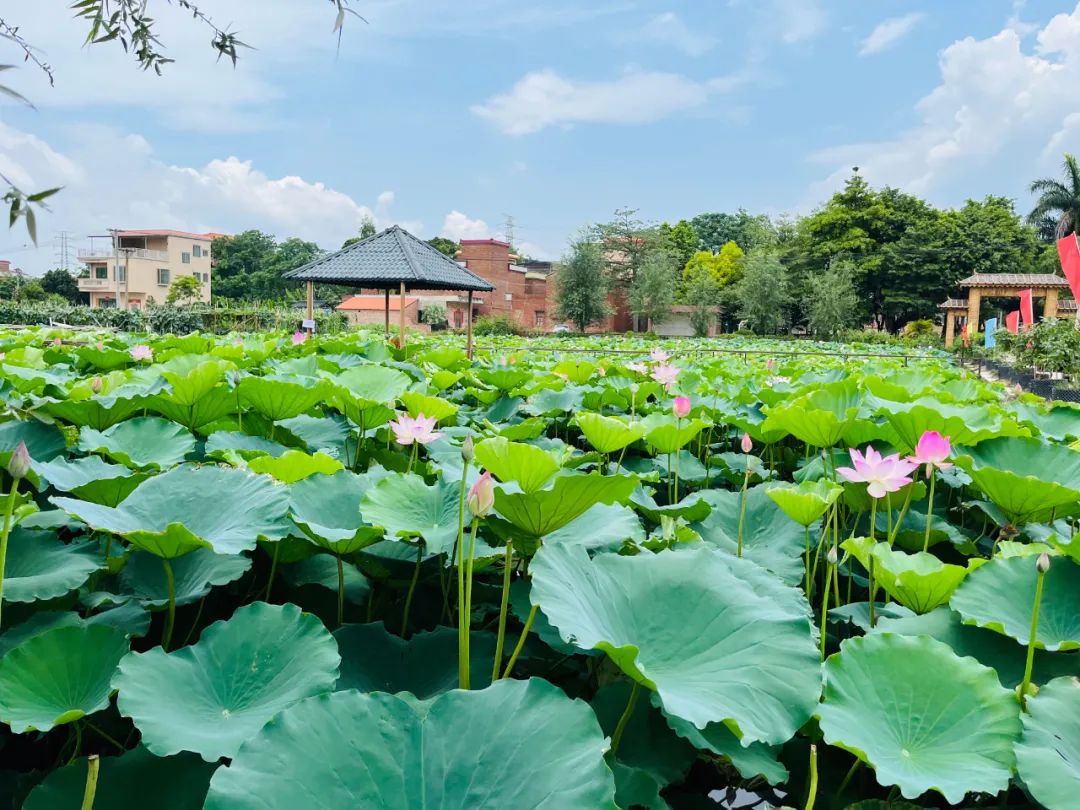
(62, 250)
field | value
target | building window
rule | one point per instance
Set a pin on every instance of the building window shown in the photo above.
(196, 251)
(540, 317)
(459, 318)
(509, 296)
(107, 303)
(206, 278)
(101, 271)
(120, 273)
(163, 276)
(185, 258)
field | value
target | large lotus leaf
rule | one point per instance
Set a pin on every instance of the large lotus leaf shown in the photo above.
(59, 676)
(216, 404)
(407, 507)
(464, 750)
(294, 465)
(194, 575)
(425, 665)
(40, 566)
(806, 502)
(372, 384)
(608, 434)
(503, 377)
(327, 509)
(134, 780)
(691, 508)
(329, 434)
(189, 507)
(1000, 596)
(918, 581)
(716, 637)
(963, 424)
(540, 513)
(770, 538)
(669, 435)
(118, 400)
(991, 649)
(528, 466)
(756, 759)
(819, 419)
(43, 442)
(90, 478)
(222, 443)
(1048, 753)
(142, 442)
(212, 696)
(601, 527)
(437, 407)
(921, 716)
(1059, 423)
(280, 397)
(1025, 477)
(322, 570)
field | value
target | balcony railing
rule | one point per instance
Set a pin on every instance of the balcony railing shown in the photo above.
(97, 284)
(106, 254)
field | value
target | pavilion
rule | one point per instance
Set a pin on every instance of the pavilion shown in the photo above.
(1001, 285)
(391, 260)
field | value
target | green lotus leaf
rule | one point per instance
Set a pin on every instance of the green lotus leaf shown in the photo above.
(1060, 422)
(130, 619)
(756, 759)
(719, 639)
(601, 527)
(145, 442)
(1001, 594)
(692, 508)
(118, 400)
(195, 410)
(637, 788)
(921, 716)
(805, 503)
(549, 401)
(461, 750)
(540, 513)
(963, 424)
(280, 397)
(608, 434)
(37, 694)
(526, 429)
(918, 581)
(90, 478)
(990, 649)
(134, 780)
(322, 570)
(425, 665)
(1025, 477)
(294, 466)
(1048, 753)
(194, 575)
(577, 371)
(770, 538)
(327, 509)
(40, 566)
(668, 435)
(212, 696)
(43, 442)
(504, 377)
(407, 507)
(222, 444)
(530, 467)
(371, 384)
(819, 419)
(188, 507)
(417, 403)
(445, 356)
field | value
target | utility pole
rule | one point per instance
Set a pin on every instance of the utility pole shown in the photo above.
(62, 250)
(508, 229)
(115, 233)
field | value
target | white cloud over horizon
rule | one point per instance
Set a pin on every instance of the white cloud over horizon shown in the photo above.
(889, 32)
(670, 29)
(458, 226)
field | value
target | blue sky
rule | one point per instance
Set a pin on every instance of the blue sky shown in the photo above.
(447, 116)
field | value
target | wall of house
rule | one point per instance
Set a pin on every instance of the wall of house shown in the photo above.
(522, 295)
(143, 280)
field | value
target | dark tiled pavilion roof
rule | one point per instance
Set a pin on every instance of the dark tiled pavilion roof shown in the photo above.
(954, 303)
(387, 259)
(1014, 280)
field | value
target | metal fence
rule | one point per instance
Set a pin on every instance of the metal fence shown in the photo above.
(1060, 390)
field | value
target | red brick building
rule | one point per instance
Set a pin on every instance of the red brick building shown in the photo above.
(522, 293)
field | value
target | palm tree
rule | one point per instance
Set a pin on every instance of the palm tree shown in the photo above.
(1058, 202)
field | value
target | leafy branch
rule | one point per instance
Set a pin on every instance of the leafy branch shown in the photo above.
(21, 205)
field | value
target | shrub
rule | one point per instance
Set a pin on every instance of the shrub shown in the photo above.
(496, 325)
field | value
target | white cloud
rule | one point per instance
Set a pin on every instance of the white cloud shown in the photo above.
(798, 20)
(544, 98)
(1001, 110)
(669, 29)
(889, 32)
(458, 226)
(115, 180)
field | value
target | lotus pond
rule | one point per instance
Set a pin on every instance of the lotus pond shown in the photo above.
(269, 573)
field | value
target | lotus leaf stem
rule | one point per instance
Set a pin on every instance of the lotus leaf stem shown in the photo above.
(459, 554)
(93, 765)
(104, 736)
(466, 610)
(508, 564)
(1026, 683)
(76, 730)
(929, 513)
(170, 615)
(812, 794)
(806, 556)
(829, 567)
(620, 727)
(521, 642)
(340, 591)
(412, 589)
(273, 570)
(9, 509)
(742, 505)
(848, 777)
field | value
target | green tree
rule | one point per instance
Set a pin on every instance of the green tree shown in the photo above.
(833, 305)
(681, 240)
(748, 231)
(434, 315)
(653, 293)
(702, 295)
(581, 285)
(19, 288)
(367, 229)
(724, 266)
(237, 260)
(763, 294)
(626, 242)
(444, 245)
(1058, 200)
(184, 290)
(60, 282)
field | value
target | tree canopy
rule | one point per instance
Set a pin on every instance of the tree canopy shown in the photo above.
(249, 265)
(581, 285)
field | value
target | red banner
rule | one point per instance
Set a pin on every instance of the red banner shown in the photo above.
(1012, 321)
(1069, 253)
(1027, 310)
(964, 334)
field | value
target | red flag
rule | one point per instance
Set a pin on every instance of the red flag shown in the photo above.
(1012, 321)
(1069, 253)
(964, 334)
(1027, 311)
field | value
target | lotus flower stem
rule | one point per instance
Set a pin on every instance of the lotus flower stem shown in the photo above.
(618, 463)
(170, 616)
(93, 765)
(873, 589)
(624, 718)
(76, 731)
(929, 513)
(806, 555)
(812, 794)
(340, 591)
(9, 509)
(412, 458)
(901, 516)
(508, 564)
(412, 589)
(848, 777)
(1042, 565)
(459, 554)
(742, 506)
(825, 605)
(273, 570)
(521, 642)
(466, 609)
(888, 516)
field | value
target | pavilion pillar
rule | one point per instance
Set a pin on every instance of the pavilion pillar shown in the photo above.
(386, 314)
(401, 318)
(468, 330)
(311, 301)
(950, 328)
(974, 305)
(1050, 303)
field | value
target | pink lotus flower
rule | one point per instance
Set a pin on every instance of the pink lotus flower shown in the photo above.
(932, 450)
(481, 496)
(141, 352)
(681, 407)
(298, 338)
(881, 475)
(19, 463)
(769, 363)
(640, 368)
(665, 375)
(57, 342)
(601, 371)
(95, 385)
(420, 430)
(659, 356)
(747, 443)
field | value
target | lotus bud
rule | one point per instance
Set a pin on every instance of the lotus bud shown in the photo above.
(681, 407)
(481, 496)
(747, 443)
(467, 449)
(1042, 565)
(832, 555)
(95, 385)
(19, 465)
(634, 388)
